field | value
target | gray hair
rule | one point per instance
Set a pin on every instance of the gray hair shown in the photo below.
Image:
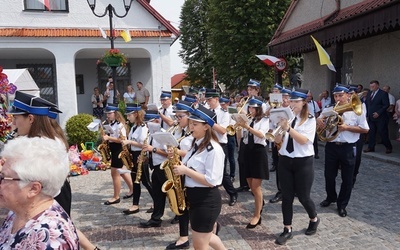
(38, 159)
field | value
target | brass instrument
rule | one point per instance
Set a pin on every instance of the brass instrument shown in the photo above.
(330, 131)
(125, 155)
(172, 129)
(104, 149)
(142, 157)
(270, 136)
(231, 129)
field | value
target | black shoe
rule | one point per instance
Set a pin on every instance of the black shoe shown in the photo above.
(273, 168)
(285, 236)
(175, 220)
(342, 212)
(316, 157)
(326, 203)
(131, 211)
(233, 200)
(276, 199)
(242, 189)
(181, 246)
(150, 210)
(312, 227)
(150, 223)
(127, 196)
(251, 226)
(112, 202)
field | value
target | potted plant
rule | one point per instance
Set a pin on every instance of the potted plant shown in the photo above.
(113, 57)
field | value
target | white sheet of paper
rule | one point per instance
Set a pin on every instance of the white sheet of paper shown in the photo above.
(165, 138)
(275, 98)
(236, 117)
(276, 115)
(107, 129)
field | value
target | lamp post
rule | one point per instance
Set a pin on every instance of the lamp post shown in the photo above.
(111, 12)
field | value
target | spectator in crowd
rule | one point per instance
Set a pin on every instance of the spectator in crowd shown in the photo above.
(377, 102)
(314, 110)
(325, 99)
(97, 104)
(396, 117)
(129, 95)
(109, 93)
(392, 100)
(360, 88)
(142, 95)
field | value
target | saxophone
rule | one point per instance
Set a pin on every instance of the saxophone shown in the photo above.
(173, 185)
(141, 159)
(104, 149)
(125, 155)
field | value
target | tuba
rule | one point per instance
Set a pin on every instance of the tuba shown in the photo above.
(104, 149)
(330, 131)
(125, 155)
(142, 157)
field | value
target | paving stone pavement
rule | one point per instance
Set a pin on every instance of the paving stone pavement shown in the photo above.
(372, 222)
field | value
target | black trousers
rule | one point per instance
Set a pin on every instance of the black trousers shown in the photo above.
(275, 162)
(145, 179)
(231, 154)
(359, 148)
(297, 177)
(226, 179)
(343, 156)
(242, 167)
(158, 178)
(381, 127)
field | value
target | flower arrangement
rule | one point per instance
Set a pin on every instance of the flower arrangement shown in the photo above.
(5, 120)
(113, 57)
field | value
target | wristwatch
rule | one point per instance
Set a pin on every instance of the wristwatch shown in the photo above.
(154, 150)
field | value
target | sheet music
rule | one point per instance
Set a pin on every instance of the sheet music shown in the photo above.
(276, 115)
(236, 117)
(165, 138)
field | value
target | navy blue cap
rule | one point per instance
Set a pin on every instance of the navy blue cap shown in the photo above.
(202, 114)
(254, 83)
(298, 94)
(29, 104)
(277, 86)
(285, 91)
(190, 98)
(224, 99)
(184, 106)
(132, 107)
(340, 89)
(352, 88)
(151, 115)
(165, 95)
(255, 102)
(193, 90)
(111, 107)
(210, 93)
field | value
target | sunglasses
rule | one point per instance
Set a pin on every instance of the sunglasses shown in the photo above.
(7, 178)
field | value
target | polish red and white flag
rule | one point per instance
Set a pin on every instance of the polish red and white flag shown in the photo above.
(268, 60)
(46, 3)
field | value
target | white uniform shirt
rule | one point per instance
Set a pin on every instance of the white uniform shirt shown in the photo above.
(350, 118)
(139, 136)
(209, 162)
(118, 130)
(186, 143)
(223, 119)
(168, 112)
(308, 130)
(262, 126)
(313, 107)
(157, 158)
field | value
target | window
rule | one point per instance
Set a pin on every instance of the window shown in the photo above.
(39, 5)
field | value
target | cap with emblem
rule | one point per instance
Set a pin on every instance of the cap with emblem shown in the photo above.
(151, 115)
(202, 114)
(165, 95)
(352, 88)
(29, 104)
(340, 89)
(255, 102)
(224, 99)
(190, 98)
(132, 107)
(111, 107)
(298, 94)
(277, 86)
(184, 106)
(253, 83)
(210, 93)
(193, 90)
(285, 91)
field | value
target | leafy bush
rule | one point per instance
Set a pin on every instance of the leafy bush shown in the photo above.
(77, 131)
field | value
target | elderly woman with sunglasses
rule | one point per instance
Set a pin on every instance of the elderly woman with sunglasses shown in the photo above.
(27, 188)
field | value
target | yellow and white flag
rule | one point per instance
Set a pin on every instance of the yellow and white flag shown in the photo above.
(324, 58)
(126, 35)
(103, 33)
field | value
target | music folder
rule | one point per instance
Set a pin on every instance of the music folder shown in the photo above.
(165, 138)
(276, 115)
(236, 117)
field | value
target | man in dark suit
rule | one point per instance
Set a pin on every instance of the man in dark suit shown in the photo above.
(377, 102)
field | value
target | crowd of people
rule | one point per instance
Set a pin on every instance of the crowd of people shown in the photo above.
(206, 135)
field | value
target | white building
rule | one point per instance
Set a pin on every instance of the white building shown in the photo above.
(60, 48)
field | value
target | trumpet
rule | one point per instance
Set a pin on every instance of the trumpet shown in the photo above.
(231, 129)
(172, 129)
(270, 136)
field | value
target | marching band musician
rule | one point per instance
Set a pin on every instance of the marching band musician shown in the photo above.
(223, 120)
(256, 159)
(342, 152)
(136, 139)
(203, 167)
(157, 154)
(296, 170)
(166, 110)
(183, 109)
(117, 125)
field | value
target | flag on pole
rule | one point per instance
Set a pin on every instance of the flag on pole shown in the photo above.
(126, 35)
(103, 33)
(268, 60)
(324, 58)
(46, 3)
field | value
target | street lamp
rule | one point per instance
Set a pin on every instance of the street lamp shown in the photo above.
(111, 12)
